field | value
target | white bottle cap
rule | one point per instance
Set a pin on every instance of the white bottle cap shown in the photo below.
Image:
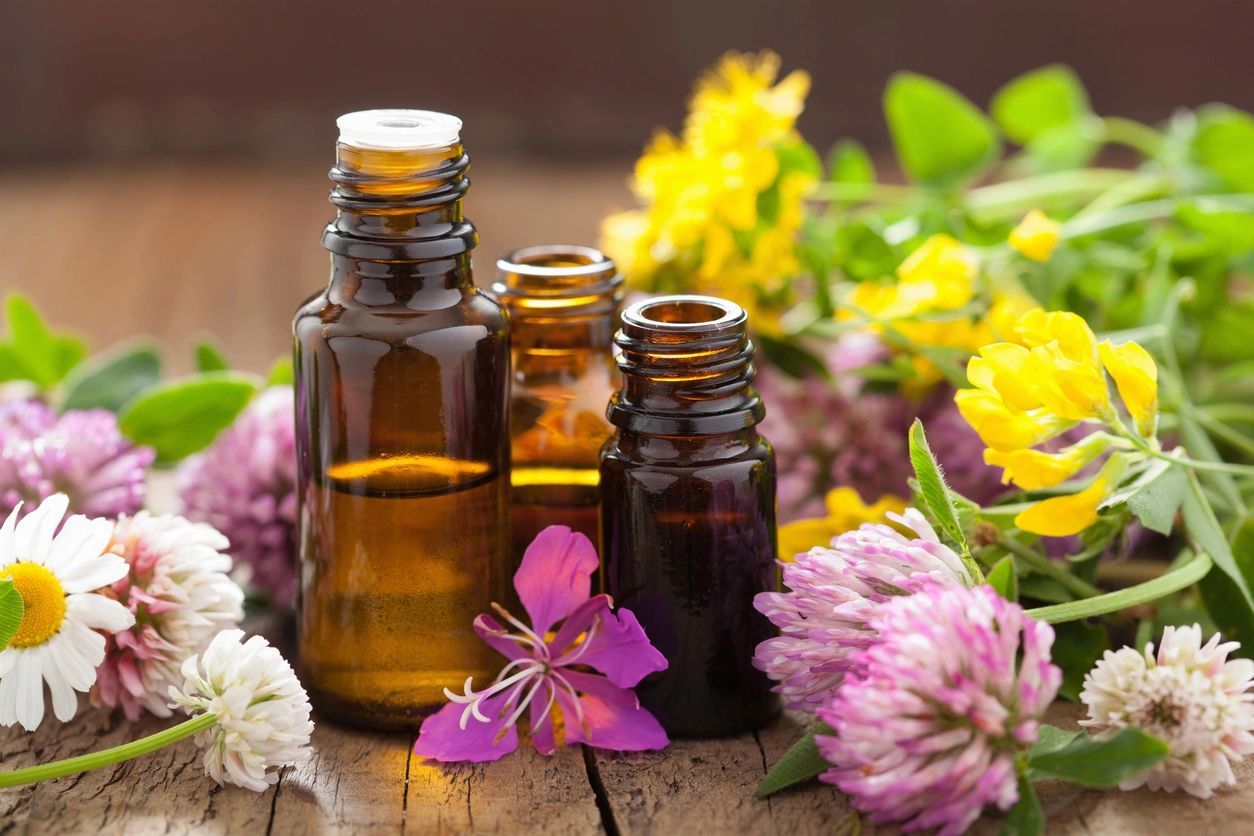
(398, 129)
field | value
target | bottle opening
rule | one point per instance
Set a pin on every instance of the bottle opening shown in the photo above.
(399, 129)
(555, 260)
(684, 311)
(561, 280)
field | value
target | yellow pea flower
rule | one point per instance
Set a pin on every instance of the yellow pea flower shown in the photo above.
(1136, 376)
(1036, 236)
(1062, 516)
(939, 275)
(1002, 429)
(1035, 469)
(1076, 341)
(845, 512)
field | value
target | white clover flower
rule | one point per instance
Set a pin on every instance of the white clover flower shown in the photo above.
(1189, 695)
(57, 642)
(261, 711)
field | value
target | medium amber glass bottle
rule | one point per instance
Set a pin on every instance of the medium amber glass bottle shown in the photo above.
(563, 305)
(402, 438)
(688, 510)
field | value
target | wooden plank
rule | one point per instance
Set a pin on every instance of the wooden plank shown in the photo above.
(166, 792)
(522, 793)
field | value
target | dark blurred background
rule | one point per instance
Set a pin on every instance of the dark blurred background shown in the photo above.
(164, 162)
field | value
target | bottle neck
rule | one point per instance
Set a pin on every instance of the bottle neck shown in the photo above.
(399, 205)
(418, 285)
(687, 364)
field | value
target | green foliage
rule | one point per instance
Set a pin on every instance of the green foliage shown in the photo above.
(11, 609)
(210, 359)
(1181, 577)
(1038, 102)
(112, 379)
(848, 162)
(935, 493)
(1224, 145)
(281, 373)
(800, 763)
(181, 417)
(1078, 645)
(31, 350)
(1209, 538)
(941, 138)
(1002, 577)
(1098, 764)
(1223, 599)
(1026, 817)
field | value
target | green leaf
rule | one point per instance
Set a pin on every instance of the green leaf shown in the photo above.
(848, 162)
(181, 417)
(1051, 739)
(33, 351)
(280, 373)
(1226, 337)
(11, 609)
(1040, 101)
(1156, 502)
(933, 490)
(1003, 578)
(798, 157)
(792, 357)
(1222, 598)
(1100, 764)
(1225, 144)
(1181, 577)
(800, 763)
(1209, 538)
(1077, 647)
(210, 359)
(940, 137)
(1026, 817)
(110, 380)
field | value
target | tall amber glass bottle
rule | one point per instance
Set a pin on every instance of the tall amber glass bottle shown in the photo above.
(563, 304)
(688, 510)
(402, 438)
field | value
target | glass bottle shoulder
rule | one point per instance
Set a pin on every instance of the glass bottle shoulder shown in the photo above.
(325, 316)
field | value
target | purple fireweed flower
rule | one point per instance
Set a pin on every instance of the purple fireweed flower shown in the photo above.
(581, 672)
(928, 728)
(81, 454)
(833, 594)
(244, 485)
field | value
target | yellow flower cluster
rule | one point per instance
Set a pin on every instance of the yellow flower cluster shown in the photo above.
(1051, 377)
(845, 512)
(703, 227)
(933, 285)
(1036, 236)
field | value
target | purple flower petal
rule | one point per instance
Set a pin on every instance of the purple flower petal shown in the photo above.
(542, 735)
(491, 631)
(617, 645)
(442, 738)
(612, 716)
(555, 576)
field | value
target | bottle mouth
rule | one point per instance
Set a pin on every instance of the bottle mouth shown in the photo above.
(399, 129)
(559, 279)
(688, 312)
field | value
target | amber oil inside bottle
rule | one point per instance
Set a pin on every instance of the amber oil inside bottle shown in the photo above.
(688, 511)
(402, 439)
(563, 303)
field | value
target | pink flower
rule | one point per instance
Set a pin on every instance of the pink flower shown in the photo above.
(929, 728)
(245, 486)
(178, 589)
(547, 673)
(833, 594)
(81, 454)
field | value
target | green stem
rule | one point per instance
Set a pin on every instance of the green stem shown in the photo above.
(107, 757)
(1042, 565)
(875, 192)
(1031, 192)
(1173, 581)
(1135, 135)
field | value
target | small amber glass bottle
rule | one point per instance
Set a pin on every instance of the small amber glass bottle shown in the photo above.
(402, 375)
(563, 305)
(688, 510)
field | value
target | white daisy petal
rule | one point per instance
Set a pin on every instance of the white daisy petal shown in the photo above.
(8, 551)
(72, 651)
(98, 612)
(8, 693)
(64, 698)
(30, 689)
(87, 574)
(32, 539)
(77, 543)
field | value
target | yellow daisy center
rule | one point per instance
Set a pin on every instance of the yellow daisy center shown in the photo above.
(43, 602)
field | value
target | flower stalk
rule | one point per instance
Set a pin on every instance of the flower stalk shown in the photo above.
(107, 757)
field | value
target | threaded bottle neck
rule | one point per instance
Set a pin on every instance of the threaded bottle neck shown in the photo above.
(398, 203)
(559, 296)
(687, 364)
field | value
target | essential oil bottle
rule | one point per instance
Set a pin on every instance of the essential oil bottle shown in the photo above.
(563, 303)
(402, 377)
(688, 510)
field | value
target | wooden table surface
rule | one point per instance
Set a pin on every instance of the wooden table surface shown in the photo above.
(177, 251)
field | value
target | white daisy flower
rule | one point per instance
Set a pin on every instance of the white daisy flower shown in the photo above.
(261, 711)
(181, 594)
(56, 573)
(1190, 696)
